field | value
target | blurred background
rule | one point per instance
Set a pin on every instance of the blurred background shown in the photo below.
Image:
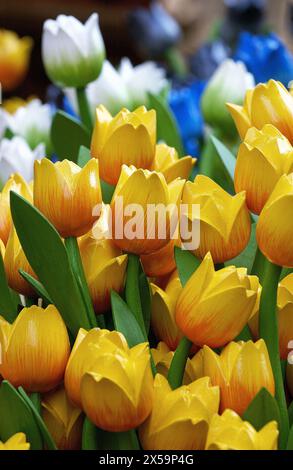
(207, 30)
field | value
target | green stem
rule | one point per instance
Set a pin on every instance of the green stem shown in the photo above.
(245, 335)
(176, 62)
(84, 110)
(259, 265)
(77, 268)
(177, 367)
(268, 325)
(132, 291)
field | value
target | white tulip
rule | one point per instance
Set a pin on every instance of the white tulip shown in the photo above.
(17, 157)
(126, 87)
(142, 79)
(32, 122)
(72, 52)
(229, 83)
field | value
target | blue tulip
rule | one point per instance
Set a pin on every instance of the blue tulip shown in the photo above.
(266, 57)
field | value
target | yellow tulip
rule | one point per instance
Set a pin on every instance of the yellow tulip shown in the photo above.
(284, 316)
(69, 196)
(17, 184)
(274, 231)
(214, 306)
(15, 259)
(128, 138)
(136, 228)
(87, 347)
(63, 420)
(117, 391)
(34, 349)
(168, 162)
(161, 262)
(290, 378)
(267, 103)
(180, 418)
(233, 372)
(15, 442)
(162, 356)
(263, 157)
(163, 312)
(14, 58)
(105, 267)
(224, 219)
(229, 432)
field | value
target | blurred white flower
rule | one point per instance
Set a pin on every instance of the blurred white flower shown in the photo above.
(32, 122)
(142, 79)
(126, 87)
(3, 122)
(17, 157)
(72, 52)
(229, 83)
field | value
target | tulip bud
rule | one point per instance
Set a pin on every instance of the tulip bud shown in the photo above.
(180, 418)
(284, 316)
(163, 312)
(104, 267)
(163, 357)
(267, 103)
(289, 375)
(229, 83)
(17, 157)
(15, 442)
(155, 209)
(69, 196)
(87, 348)
(72, 52)
(63, 420)
(15, 259)
(14, 58)
(117, 391)
(274, 231)
(214, 306)
(224, 219)
(262, 159)
(34, 350)
(128, 138)
(17, 184)
(232, 372)
(229, 432)
(168, 162)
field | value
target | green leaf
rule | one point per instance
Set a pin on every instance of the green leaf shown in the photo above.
(48, 258)
(290, 440)
(107, 191)
(125, 321)
(117, 440)
(290, 413)
(132, 290)
(84, 156)
(226, 156)
(16, 416)
(246, 258)
(90, 435)
(8, 302)
(262, 410)
(186, 264)
(67, 135)
(47, 438)
(37, 286)
(145, 299)
(167, 129)
(285, 272)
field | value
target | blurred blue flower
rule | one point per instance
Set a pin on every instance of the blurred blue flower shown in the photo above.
(266, 57)
(185, 104)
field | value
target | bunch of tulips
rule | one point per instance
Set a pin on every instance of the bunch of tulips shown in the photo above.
(127, 342)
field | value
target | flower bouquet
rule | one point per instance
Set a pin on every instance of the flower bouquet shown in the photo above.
(143, 304)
